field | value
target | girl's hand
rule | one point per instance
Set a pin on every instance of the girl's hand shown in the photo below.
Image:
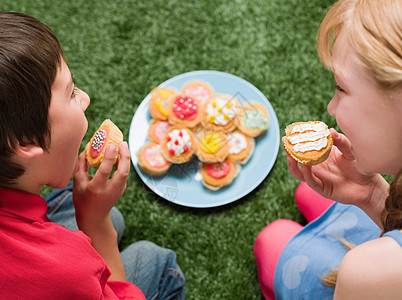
(338, 179)
(94, 197)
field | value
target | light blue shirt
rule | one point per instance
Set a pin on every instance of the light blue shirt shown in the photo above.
(317, 248)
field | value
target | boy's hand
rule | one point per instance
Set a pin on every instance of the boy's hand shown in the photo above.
(337, 178)
(95, 196)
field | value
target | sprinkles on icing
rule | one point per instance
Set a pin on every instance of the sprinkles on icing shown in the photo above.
(185, 107)
(98, 142)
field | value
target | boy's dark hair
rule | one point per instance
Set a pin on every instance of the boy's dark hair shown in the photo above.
(30, 55)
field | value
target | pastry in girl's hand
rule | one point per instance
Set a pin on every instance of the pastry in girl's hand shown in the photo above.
(157, 130)
(159, 102)
(309, 143)
(185, 111)
(212, 146)
(241, 146)
(106, 134)
(253, 119)
(152, 161)
(198, 90)
(220, 113)
(218, 175)
(178, 145)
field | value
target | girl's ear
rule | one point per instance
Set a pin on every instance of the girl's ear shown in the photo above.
(28, 150)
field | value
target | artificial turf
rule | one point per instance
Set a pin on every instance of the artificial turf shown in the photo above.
(119, 50)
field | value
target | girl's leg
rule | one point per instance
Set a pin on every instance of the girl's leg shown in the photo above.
(153, 270)
(267, 249)
(310, 203)
(60, 210)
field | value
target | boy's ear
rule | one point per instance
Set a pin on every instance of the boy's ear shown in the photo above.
(28, 150)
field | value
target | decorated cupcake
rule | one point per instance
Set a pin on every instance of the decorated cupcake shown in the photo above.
(253, 119)
(309, 143)
(218, 175)
(212, 146)
(157, 130)
(159, 103)
(178, 145)
(185, 111)
(107, 133)
(198, 90)
(151, 160)
(241, 146)
(220, 113)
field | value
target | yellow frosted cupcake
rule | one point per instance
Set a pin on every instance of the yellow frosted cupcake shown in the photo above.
(212, 146)
(159, 103)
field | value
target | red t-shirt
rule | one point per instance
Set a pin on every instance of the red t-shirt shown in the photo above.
(40, 259)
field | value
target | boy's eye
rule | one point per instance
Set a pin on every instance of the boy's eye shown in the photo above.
(74, 92)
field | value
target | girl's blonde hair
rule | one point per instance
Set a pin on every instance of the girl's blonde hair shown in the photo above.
(374, 29)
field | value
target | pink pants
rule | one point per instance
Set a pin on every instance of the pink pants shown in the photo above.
(273, 238)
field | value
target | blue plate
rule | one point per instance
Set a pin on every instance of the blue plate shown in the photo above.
(182, 183)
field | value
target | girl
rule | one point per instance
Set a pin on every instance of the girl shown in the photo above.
(360, 42)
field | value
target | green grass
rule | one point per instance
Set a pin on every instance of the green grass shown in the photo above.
(119, 50)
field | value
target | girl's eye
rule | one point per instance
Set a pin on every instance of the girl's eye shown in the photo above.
(337, 87)
(74, 92)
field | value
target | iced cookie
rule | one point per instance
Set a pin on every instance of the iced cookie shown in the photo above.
(178, 145)
(185, 111)
(157, 130)
(220, 113)
(159, 102)
(106, 134)
(218, 175)
(198, 90)
(308, 142)
(253, 119)
(241, 146)
(152, 161)
(212, 146)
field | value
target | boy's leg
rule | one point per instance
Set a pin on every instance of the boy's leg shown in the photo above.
(154, 270)
(60, 210)
(310, 203)
(268, 247)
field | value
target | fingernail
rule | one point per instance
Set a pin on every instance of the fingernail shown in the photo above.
(124, 144)
(111, 148)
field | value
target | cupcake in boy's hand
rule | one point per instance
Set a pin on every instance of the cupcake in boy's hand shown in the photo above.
(309, 143)
(107, 133)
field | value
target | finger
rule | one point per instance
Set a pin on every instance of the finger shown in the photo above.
(105, 169)
(313, 181)
(295, 168)
(82, 173)
(123, 165)
(343, 144)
